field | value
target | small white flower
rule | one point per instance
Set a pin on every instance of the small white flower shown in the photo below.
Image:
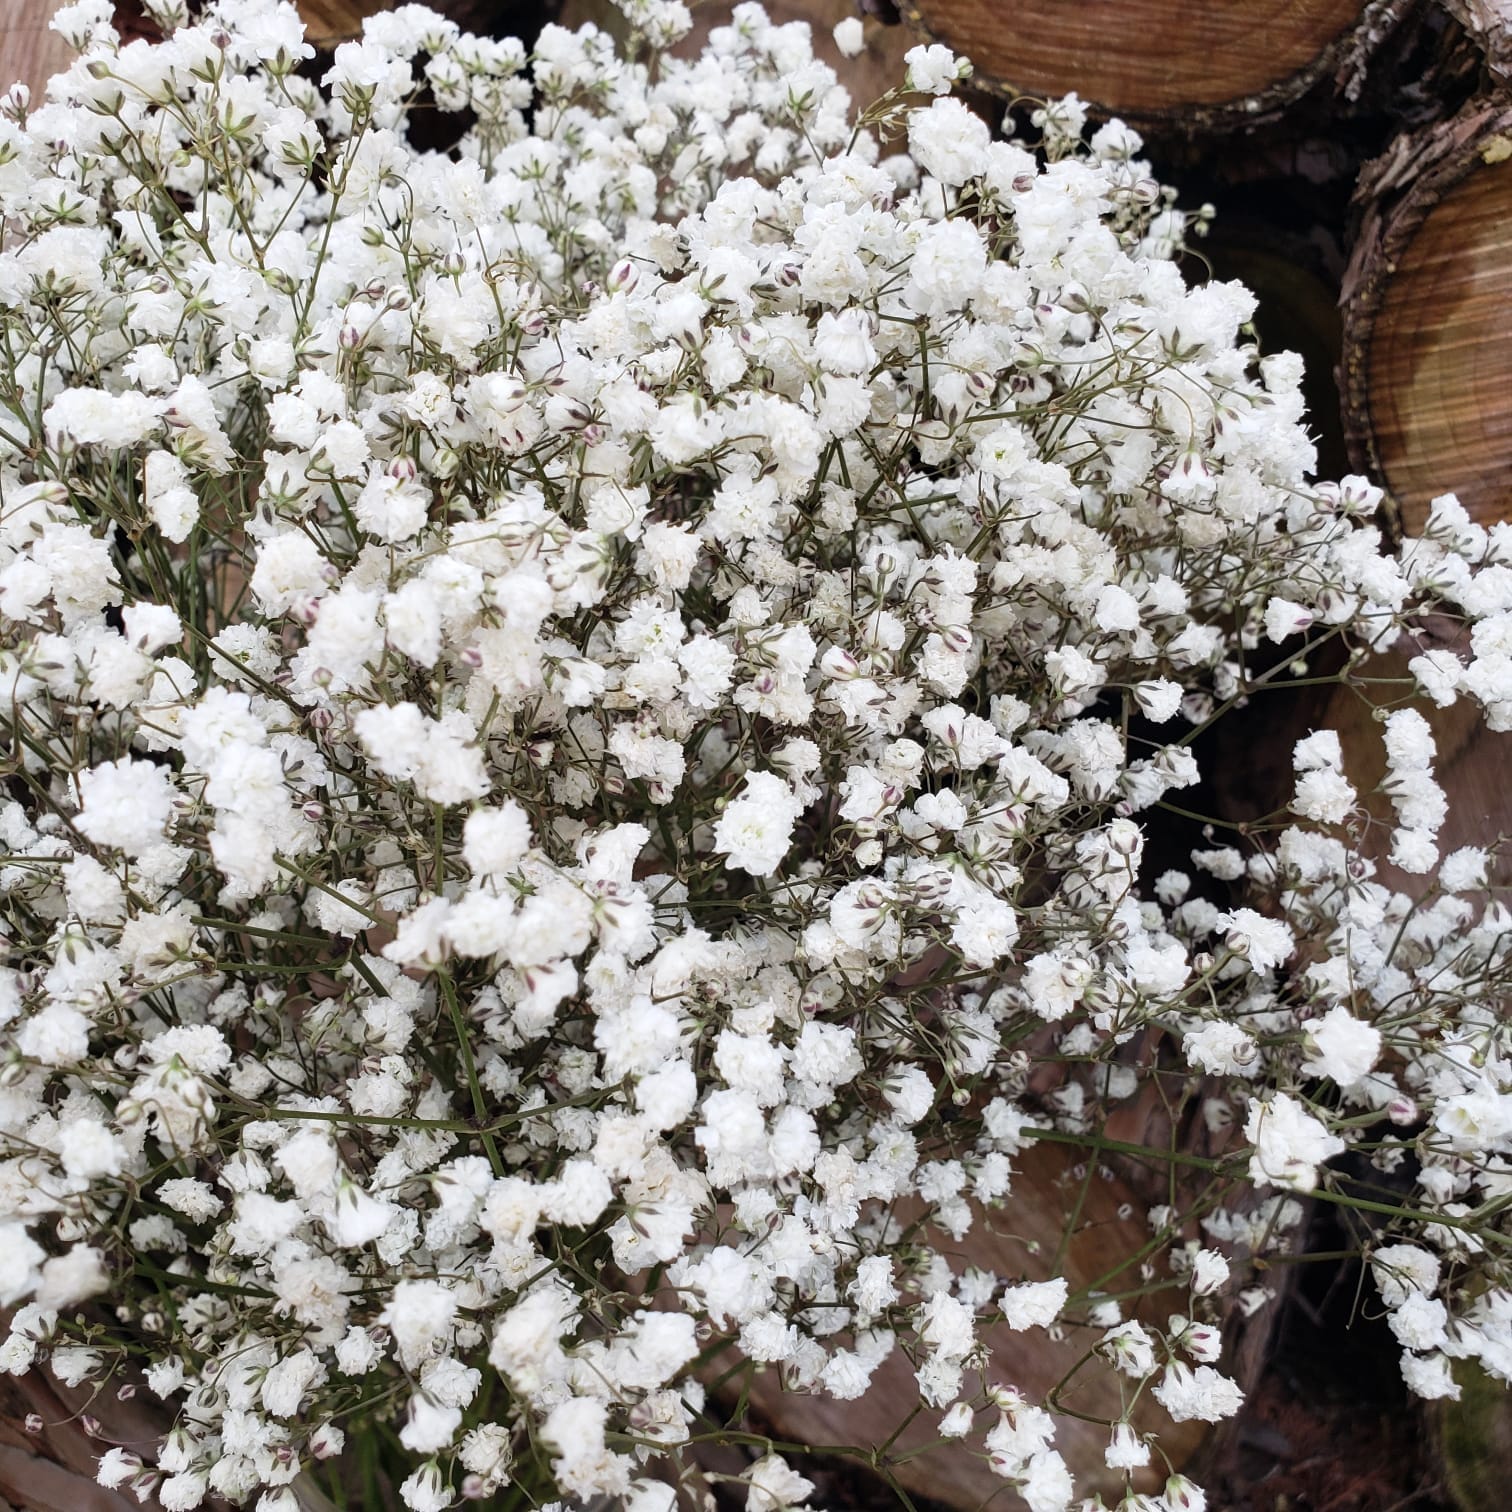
(933, 69)
(756, 829)
(1034, 1304)
(849, 37)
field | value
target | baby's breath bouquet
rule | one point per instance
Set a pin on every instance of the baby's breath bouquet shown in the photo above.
(582, 715)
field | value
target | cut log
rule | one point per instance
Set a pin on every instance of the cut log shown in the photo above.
(328, 22)
(53, 1469)
(1471, 765)
(1427, 366)
(1107, 1206)
(30, 51)
(1221, 64)
(878, 68)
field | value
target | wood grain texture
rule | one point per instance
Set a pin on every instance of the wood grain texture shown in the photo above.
(878, 68)
(30, 51)
(1216, 64)
(330, 21)
(1472, 764)
(54, 1470)
(1107, 1206)
(1019, 1242)
(1427, 368)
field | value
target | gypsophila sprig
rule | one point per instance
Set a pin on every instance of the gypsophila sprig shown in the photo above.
(566, 699)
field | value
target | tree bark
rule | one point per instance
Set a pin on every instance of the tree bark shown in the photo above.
(1426, 374)
(1490, 23)
(1190, 68)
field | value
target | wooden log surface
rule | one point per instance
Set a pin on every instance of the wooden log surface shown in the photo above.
(1426, 375)
(1276, 49)
(878, 68)
(53, 1469)
(1106, 1206)
(1471, 763)
(30, 51)
(328, 22)
(1214, 65)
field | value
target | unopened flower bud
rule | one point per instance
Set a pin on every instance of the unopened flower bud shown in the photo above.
(194, 1094)
(1182, 1495)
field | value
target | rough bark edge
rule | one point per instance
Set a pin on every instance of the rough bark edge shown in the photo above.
(1489, 22)
(1395, 195)
(1345, 58)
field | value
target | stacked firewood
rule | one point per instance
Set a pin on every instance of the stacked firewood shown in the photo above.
(1400, 108)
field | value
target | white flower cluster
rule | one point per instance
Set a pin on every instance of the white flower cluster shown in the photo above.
(582, 714)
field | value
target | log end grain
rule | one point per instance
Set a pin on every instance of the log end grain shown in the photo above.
(30, 51)
(1428, 322)
(1222, 62)
(1427, 371)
